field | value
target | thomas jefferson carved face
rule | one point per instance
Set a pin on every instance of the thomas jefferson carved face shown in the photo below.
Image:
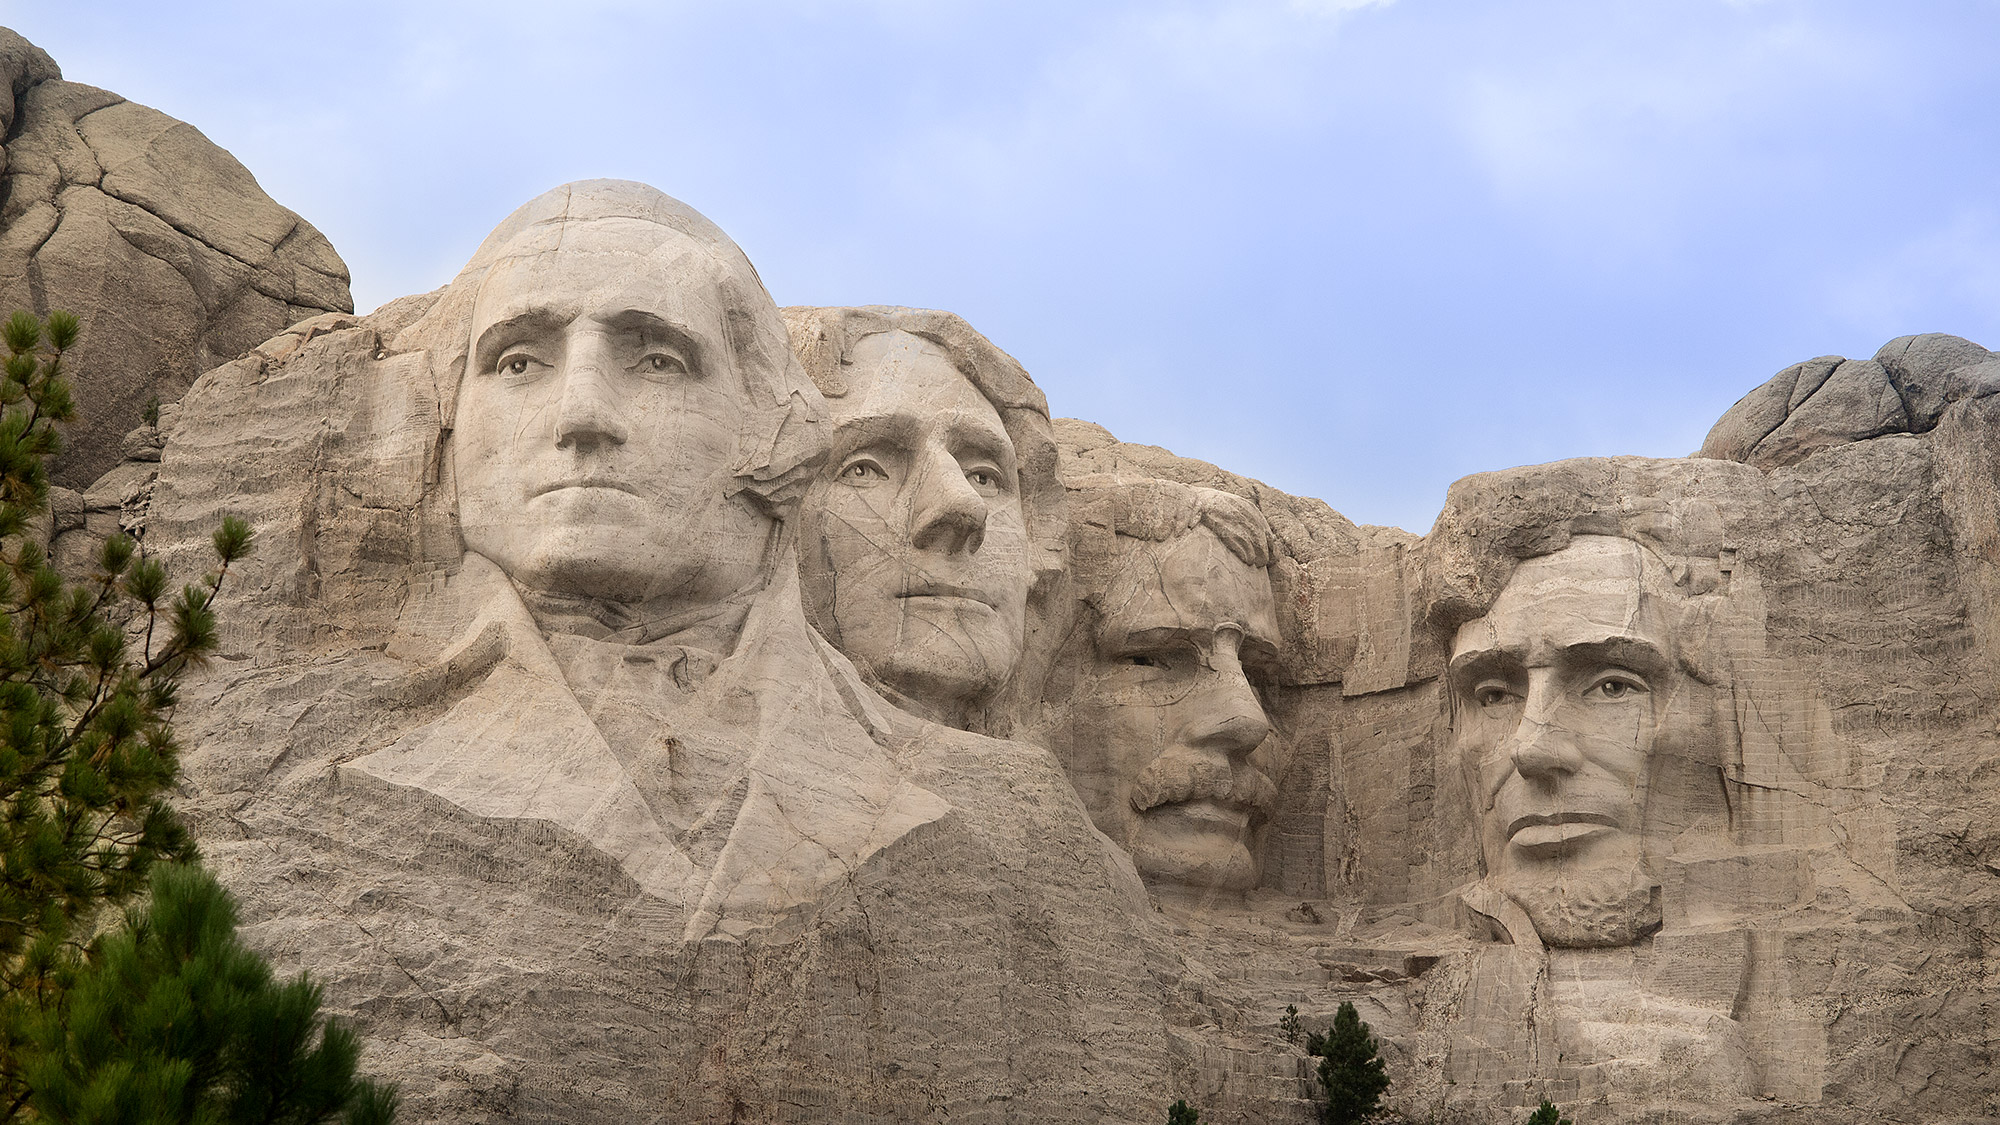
(597, 420)
(919, 518)
(1164, 718)
(1567, 695)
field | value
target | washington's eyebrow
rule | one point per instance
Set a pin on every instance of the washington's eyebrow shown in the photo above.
(652, 324)
(503, 332)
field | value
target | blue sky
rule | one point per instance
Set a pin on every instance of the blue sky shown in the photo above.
(1354, 248)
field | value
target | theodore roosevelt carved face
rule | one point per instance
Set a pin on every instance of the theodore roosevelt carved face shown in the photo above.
(1164, 719)
(1568, 695)
(596, 425)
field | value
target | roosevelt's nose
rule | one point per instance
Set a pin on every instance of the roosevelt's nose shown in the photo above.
(1228, 716)
(588, 414)
(1541, 748)
(946, 513)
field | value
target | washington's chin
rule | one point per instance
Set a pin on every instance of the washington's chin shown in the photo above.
(1175, 850)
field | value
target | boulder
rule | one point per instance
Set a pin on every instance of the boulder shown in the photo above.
(159, 240)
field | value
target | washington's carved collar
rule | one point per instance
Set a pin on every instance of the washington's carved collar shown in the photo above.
(711, 628)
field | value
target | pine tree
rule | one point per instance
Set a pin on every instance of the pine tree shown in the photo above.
(1548, 1114)
(88, 674)
(1352, 1076)
(173, 1020)
(1181, 1113)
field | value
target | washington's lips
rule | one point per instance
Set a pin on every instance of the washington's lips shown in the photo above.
(945, 590)
(585, 482)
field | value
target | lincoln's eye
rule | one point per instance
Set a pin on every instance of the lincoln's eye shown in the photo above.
(1491, 695)
(864, 470)
(660, 363)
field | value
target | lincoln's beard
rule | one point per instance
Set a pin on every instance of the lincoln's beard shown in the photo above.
(1586, 909)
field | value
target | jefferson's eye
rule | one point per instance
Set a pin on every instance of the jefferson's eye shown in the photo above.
(983, 479)
(864, 470)
(1617, 686)
(662, 363)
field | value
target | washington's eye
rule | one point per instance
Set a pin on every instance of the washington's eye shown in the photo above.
(1616, 686)
(864, 470)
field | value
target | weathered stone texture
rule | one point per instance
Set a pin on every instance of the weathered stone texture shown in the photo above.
(159, 241)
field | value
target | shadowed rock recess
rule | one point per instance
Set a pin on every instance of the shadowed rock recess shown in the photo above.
(164, 246)
(647, 703)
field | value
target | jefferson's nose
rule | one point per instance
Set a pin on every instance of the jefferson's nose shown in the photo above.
(588, 414)
(946, 513)
(1228, 717)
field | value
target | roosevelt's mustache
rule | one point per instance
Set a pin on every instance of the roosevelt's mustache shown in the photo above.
(1180, 774)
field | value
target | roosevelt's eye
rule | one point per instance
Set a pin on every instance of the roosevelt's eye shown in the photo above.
(661, 363)
(1614, 686)
(863, 470)
(1144, 660)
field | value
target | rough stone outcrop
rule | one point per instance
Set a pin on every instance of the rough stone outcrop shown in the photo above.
(1828, 401)
(1661, 788)
(164, 246)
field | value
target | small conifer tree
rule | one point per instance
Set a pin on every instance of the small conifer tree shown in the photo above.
(1352, 1075)
(1548, 1114)
(1181, 1113)
(88, 676)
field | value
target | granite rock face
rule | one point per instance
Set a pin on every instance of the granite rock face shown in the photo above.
(645, 703)
(164, 246)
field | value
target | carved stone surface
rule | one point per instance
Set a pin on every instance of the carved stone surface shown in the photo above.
(647, 704)
(159, 241)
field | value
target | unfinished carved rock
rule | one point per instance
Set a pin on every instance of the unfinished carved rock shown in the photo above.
(159, 241)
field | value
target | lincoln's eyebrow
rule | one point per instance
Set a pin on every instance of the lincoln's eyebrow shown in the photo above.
(503, 332)
(1636, 653)
(1478, 661)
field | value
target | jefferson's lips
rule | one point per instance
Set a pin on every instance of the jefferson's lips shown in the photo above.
(1535, 820)
(943, 590)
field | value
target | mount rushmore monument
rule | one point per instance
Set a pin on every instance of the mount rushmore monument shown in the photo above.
(650, 703)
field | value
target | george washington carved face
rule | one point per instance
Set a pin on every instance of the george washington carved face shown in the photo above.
(596, 433)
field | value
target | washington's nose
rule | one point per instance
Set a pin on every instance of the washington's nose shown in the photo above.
(588, 415)
(947, 514)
